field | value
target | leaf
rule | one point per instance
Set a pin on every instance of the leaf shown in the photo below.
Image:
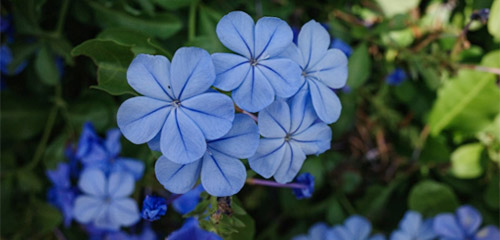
(54, 153)
(350, 181)
(22, 118)
(246, 232)
(96, 107)
(394, 7)
(494, 20)
(359, 66)
(466, 161)
(334, 213)
(140, 42)
(174, 4)
(430, 198)
(46, 68)
(112, 60)
(491, 195)
(28, 182)
(47, 217)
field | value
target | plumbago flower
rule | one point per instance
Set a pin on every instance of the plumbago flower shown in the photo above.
(256, 73)
(62, 194)
(413, 227)
(222, 173)
(153, 208)
(188, 201)
(105, 201)
(318, 231)
(291, 131)
(308, 180)
(322, 69)
(354, 228)
(192, 231)
(178, 113)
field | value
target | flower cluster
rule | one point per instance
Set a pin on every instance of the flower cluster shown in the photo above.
(180, 113)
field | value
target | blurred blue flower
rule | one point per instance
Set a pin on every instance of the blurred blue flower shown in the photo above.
(396, 77)
(153, 208)
(60, 65)
(342, 46)
(463, 225)
(290, 131)
(188, 201)
(412, 226)
(192, 231)
(61, 194)
(222, 173)
(96, 233)
(178, 111)
(105, 202)
(6, 27)
(354, 228)
(6, 59)
(322, 69)
(308, 180)
(256, 73)
(318, 231)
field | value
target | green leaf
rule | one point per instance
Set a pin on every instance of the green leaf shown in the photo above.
(491, 195)
(246, 232)
(112, 60)
(140, 42)
(28, 182)
(334, 213)
(174, 4)
(350, 181)
(430, 198)
(94, 106)
(47, 217)
(394, 7)
(54, 153)
(466, 161)
(494, 20)
(46, 68)
(359, 66)
(21, 118)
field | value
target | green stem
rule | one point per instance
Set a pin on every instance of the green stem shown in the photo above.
(347, 205)
(192, 21)
(62, 17)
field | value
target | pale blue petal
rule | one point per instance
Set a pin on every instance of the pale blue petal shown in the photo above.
(268, 157)
(313, 42)
(318, 231)
(132, 166)
(104, 221)
(213, 113)
(377, 237)
(469, 218)
(230, 70)
(192, 72)
(120, 184)
(359, 226)
(86, 208)
(315, 139)
(177, 178)
(331, 69)
(182, 141)
(149, 75)
(400, 235)
(293, 52)
(241, 141)
(301, 111)
(340, 233)
(446, 225)
(141, 118)
(411, 223)
(272, 36)
(290, 165)
(255, 93)
(93, 182)
(112, 142)
(236, 31)
(154, 144)
(426, 231)
(274, 121)
(124, 212)
(283, 74)
(326, 103)
(222, 175)
(488, 233)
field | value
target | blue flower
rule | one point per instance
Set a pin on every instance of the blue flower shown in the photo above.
(354, 228)
(153, 208)
(342, 46)
(463, 225)
(61, 194)
(412, 226)
(6, 59)
(308, 180)
(188, 201)
(256, 73)
(178, 111)
(318, 231)
(322, 69)
(90, 149)
(396, 77)
(192, 231)
(105, 201)
(222, 173)
(291, 131)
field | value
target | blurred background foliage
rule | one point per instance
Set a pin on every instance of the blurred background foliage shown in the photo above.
(429, 143)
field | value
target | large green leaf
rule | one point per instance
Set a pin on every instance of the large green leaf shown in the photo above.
(174, 4)
(359, 66)
(466, 161)
(430, 198)
(494, 20)
(46, 68)
(394, 7)
(138, 41)
(112, 60)
(21, 118)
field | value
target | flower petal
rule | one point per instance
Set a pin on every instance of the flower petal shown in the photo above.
(93, 181)
(488, 233)
(315, 139)
(318, 231)
(124, 212)
(150, 76)
(268, 157)
(192, 72)
(212, 112)
(283, 74)
(469, 218)
(292, 162)
(222, 175)
(104, 221)
(274, 121)
(293, 52)
(132, 166)
(177, 178)
(331, 69)
(400, 235)
(230, 70)
(154, 144)
(411, 223)
(120, 184)
(272, 36)
(182, 141)
(446, 225)
(141, 118)
(313, 42)
(326, 103)
(236, 31)
(426, 231)
(359, 226)
(340, 233)
(241, 141)
(301, 111)
(255, 93)
(112, 142)
(86, 208)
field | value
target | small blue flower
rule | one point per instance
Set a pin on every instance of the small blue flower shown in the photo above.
(322, 69)
(308, 180)
(5, 60)
(153, 208)
(464, 225)
(291, 131)
(90, 149)
(318, 231)
(354, 228)
(342, 46)
(412, 226)
(192, 231)
(105, 201)
(178, 111)
(188, 201)
(222, 173)
(61, 194)
(396, 77)
(256, 73)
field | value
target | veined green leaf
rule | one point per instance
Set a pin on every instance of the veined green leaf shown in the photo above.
(494, 20)
(465, 161)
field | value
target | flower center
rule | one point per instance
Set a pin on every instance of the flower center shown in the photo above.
(304, 73)
(253, 62)
(288, 137)
(176, 103)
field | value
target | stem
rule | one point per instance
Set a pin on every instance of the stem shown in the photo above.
(192, 21)
(253, 181)
(62, 17)
(347, 205)
(481, 68)
(251, 115)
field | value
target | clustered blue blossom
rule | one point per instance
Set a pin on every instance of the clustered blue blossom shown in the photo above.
(187, 202)
(396, 77)
(354, 228)
(308, 180)
(153, 207)
(192, 231)
(62, 194)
